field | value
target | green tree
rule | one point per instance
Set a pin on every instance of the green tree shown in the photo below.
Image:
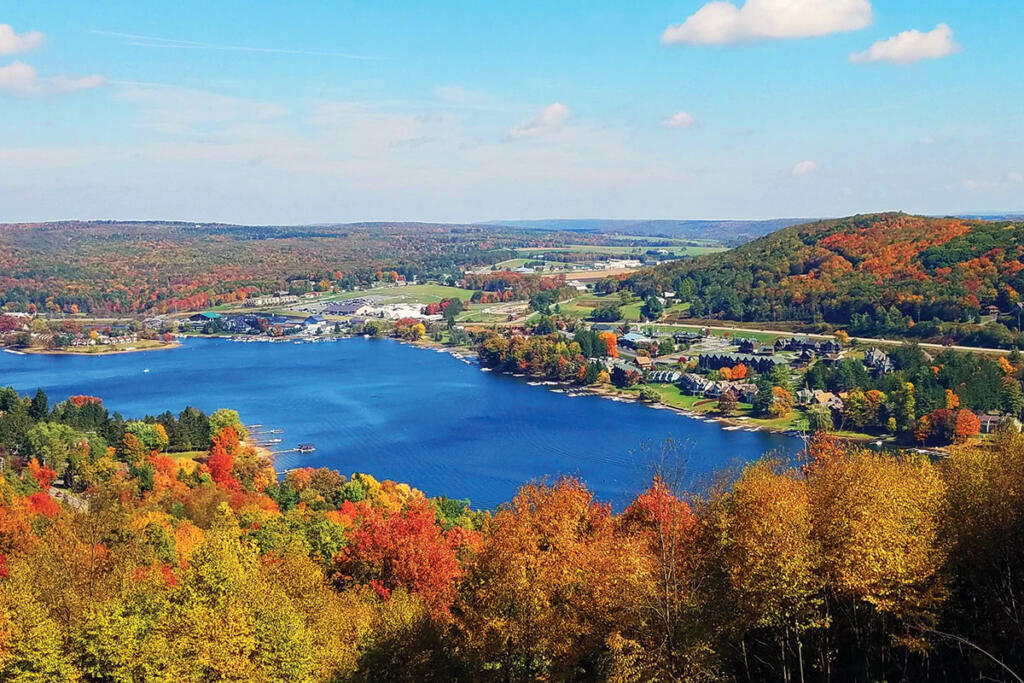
(39, 408)
(225, 417)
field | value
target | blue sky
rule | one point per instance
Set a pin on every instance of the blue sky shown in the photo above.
(271, 112)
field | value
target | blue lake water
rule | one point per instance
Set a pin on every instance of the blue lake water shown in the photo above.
(399, 412)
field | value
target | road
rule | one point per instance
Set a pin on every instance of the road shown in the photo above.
(868, 341)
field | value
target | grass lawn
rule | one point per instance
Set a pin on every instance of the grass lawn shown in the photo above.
(764, 337)
(414, 294)
(99, 350)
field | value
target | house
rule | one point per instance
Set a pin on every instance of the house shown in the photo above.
(827, 399)
(715, 389)
(693, 383)
(644, 362)
(878, 361)
(746, 393)
(829, 346)
(804, 396)
(991, 423)
(749, 345)
(664, 377)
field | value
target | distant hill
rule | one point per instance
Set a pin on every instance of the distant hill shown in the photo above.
(881, 273)
(725, 231)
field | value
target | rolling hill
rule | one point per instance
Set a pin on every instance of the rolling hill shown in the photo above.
(887, 273)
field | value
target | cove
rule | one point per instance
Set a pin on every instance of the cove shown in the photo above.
(399, 412)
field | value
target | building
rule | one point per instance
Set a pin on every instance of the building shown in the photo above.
(991, 423)
(644, 362)
(282, 299)
(664, 377)
(687, 337)
(693, 384)
(716, 361)
(749, 345)
(349, 307)
(827, 399)
(198, 321)
(878, 361)
(314, 324)
(634, 340)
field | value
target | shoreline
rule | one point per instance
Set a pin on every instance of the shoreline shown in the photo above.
(63, 352)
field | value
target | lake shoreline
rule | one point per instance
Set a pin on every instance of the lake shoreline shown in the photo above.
(86, 354)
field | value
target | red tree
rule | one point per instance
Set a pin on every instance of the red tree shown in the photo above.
(402, 550)
(222, 457)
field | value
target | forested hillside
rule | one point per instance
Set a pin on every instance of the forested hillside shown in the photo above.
(124, 557)
(897, 274)
(107, 268)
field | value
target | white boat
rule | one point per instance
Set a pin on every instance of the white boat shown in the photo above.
(146, 370)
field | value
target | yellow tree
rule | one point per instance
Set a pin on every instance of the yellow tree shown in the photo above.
(763, 531)
(550, 583)
(877, 519)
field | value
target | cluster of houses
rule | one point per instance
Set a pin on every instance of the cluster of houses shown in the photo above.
(698, 385)
(80, 340)
(255, 323)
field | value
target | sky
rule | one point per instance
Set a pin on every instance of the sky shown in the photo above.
(269, 112)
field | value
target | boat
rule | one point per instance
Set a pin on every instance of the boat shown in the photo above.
(306, 448)
(146, 370)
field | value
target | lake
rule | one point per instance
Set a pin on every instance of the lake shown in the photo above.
(399, 412)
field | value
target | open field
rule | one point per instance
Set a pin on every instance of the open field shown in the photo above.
(583, 306)
(411, 294)
(678, 250)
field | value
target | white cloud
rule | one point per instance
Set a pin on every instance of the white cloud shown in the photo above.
(910, 46)
(805, 167)
(680, 119)
(1015, 177)
(23, 80)
(722, 23)
(550, 120)
(12, 43)
(181, 111)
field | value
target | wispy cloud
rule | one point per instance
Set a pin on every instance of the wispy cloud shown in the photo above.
(12, 43)
(137, 40)
(805, 167)
(22, 80)
(548, 121)
(681, 119)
